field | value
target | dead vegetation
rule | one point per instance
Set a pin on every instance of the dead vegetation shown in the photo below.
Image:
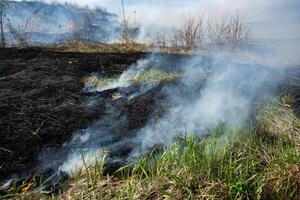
(194, 33)
(231, 32)
(190, 35)
(278, 117)
(202, 33)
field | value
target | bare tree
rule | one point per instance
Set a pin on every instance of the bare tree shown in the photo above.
(215, 29)
(2, 38)
(129, 31)
(237, 33)
(233, 32)
(190, 34)
(125, 27)
(161, 40)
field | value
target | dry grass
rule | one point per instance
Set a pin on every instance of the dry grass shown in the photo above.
(277, 117)
(74, 46)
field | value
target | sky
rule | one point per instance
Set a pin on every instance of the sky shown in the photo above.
(267, 18)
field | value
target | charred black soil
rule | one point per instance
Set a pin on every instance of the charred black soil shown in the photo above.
(41, 100)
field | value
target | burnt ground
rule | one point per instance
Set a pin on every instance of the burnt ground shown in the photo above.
(41, 100)
(42, 103)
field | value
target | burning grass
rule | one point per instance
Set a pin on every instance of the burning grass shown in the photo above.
(241, 163)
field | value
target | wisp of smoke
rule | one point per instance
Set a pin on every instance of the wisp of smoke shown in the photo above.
(125, 80)
(226, 96)
(107, 134)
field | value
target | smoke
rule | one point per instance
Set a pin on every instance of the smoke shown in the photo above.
(274, 24)
(268, 18)
(110, 133)
(227, 96)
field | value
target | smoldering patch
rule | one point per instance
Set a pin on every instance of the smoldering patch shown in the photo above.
(136, 97)
(194, 99)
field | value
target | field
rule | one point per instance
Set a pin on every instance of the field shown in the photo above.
(48, 95)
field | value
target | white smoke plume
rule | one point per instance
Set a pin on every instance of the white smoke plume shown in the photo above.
(227, 96)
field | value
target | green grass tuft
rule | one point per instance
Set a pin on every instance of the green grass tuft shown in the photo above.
(155, 75)
(147, 76)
